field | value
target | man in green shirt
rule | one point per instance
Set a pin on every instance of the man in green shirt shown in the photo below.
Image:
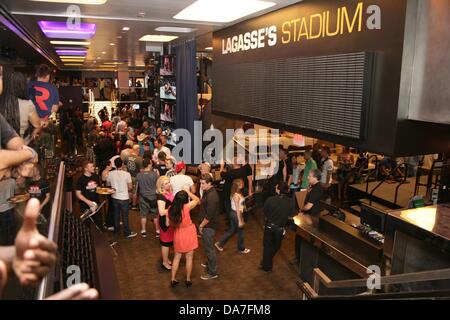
(310, 164)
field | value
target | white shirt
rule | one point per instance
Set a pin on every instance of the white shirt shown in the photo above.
(327, 167)
(119, 180)
(26, 107)
(163, 149)
(180, 181)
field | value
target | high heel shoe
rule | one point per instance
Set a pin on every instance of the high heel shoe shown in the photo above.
(174, 283)
(165, 268)
(188, 284)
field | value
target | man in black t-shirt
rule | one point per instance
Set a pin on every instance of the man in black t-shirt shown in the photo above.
(161, 165)
(312, 204)
(315, 193)
(210, 208)
(86, 190)
(277, 210)
(39, 188)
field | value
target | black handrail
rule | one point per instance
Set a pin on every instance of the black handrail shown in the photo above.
(386, 178)
(374, 171)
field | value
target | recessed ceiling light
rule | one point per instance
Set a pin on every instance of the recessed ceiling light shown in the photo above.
(208, 48)
(141, 14)
(175, 29)
(119, 37)
(103, 52)
(157, 38)
(112, 44)
(125, 28)
(74, 43)
(221, 11)
(98, 58)
(94, 2)
(59, 30)
(71, 52)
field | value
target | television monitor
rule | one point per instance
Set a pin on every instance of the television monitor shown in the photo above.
(167, 65)
(168, 90)
(167, 111)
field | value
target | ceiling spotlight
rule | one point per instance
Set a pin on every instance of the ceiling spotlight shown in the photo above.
(208, 48)
(92, 2)
(221, 11)
(74, 43)
(126, 28)
(141, 14)
(112, 44)
(103, 52)
(157, 38)
(175, 29)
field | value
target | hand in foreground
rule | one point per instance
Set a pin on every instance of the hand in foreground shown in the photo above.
(79, 291)
(3, 276)
(35, 254)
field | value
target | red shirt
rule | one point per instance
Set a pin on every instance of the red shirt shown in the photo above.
(107, 125)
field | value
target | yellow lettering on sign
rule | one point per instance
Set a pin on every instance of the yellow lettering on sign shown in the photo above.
(286, 32)
(311, 26)
(327, 23)
(357, 17)
(295, 28)
(303, 32)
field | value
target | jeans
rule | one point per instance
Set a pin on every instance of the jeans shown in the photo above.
(210, 251)
(234, 228)
(121, 206)
(7, 227)
(273, 236)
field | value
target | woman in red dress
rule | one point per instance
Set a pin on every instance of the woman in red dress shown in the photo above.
(185, 234)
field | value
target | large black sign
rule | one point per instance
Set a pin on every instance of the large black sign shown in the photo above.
(320, 67)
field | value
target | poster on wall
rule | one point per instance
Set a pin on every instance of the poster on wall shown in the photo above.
(168, 89)
(167, 65)
(168, 111)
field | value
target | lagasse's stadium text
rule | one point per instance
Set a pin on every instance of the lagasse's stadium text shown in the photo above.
(319, 25)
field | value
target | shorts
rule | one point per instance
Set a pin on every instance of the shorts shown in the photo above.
(147, 208)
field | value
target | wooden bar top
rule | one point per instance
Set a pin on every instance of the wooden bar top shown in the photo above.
(433, 219)
(308, 230)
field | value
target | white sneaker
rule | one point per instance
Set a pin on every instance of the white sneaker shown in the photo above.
(245, 251)
(132, 235)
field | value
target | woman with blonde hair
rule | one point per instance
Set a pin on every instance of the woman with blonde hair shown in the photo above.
(236, 218)
(164, 197)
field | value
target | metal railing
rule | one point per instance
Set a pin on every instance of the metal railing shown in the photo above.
(387, 178)
(320, 278)
(46, 286)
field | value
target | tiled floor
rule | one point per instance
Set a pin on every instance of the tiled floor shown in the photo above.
(140, 276)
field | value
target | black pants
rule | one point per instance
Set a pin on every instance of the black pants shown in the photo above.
(273, 236)
(8, 227)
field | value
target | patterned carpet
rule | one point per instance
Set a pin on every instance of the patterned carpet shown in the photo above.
(141, 277)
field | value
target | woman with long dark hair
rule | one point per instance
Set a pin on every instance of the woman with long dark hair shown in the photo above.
(185, 234)
(15, 106)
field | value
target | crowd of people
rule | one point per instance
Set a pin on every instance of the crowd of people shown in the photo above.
(127, 151)
(25, 107)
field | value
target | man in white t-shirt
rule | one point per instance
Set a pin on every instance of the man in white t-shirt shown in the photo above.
(327, 168)
(158, 148)
(181, 180)
(121, 181)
